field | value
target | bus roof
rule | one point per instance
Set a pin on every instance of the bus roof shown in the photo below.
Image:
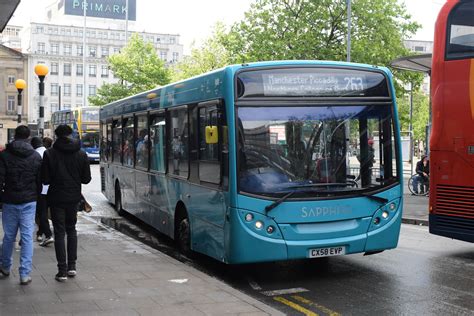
(207, 86)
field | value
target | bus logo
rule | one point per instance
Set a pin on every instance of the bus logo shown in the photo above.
(325, 211)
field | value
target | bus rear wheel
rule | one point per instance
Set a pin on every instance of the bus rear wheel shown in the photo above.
(118, 200)
(184, 236)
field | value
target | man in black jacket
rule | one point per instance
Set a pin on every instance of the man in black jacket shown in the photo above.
(422, 180)
(20, 181)
(65, 168)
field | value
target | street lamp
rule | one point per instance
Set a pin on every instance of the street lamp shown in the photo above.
(41, 71)
(20, 85)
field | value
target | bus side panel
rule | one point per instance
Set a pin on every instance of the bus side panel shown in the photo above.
(127, 185)
(161, 210)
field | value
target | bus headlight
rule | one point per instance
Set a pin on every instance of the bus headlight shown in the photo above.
(258, 225)
(392, 206)
(249, 217)
(385, 214)
(270, 229)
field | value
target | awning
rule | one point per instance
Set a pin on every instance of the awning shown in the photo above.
(7, 7)
(421, 63)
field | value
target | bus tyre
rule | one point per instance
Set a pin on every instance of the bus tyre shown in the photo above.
(184, 237)
(118, 201)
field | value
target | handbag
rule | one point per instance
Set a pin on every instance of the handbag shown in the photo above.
(83, 205)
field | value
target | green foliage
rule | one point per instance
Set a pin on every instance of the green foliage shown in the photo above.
(138, 68)
(420, 115)
(210, 56)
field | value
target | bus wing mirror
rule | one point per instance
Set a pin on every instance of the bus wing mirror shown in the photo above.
(212, 136)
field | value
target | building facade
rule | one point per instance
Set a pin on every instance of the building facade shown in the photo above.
(421, 47)
(10, 37)
(13, 66)
(58, 43)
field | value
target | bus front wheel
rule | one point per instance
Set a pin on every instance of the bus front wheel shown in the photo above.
(184, 236)
(118, 200)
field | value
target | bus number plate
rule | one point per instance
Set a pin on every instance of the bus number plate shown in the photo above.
(327, 252)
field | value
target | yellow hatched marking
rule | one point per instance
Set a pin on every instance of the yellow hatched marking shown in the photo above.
(321, 307)
(295, 306)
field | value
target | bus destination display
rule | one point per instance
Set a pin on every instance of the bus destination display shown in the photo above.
(312, 84)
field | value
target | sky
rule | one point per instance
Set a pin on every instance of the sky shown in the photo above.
(193, 20)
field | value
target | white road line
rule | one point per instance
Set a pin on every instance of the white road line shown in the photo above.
(285, 291)
(254, 284)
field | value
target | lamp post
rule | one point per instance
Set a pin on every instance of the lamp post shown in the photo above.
(20, 85)
(41, 71)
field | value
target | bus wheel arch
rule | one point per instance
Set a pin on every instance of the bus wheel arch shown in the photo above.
(118, 199)
(182, 228)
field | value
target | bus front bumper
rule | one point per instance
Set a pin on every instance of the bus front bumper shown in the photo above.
(247, 245)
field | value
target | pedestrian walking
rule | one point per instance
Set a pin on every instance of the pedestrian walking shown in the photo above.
(42, 204)
(20, 167)
(65, 168)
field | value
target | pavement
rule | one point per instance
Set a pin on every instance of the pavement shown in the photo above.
(118, 275)
(415, 208)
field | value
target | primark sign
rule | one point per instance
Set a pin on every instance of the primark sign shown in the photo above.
(108, 9)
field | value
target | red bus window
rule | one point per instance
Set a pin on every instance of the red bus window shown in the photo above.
(460, 32)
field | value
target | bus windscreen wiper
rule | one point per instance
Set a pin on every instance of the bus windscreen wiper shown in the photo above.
(317, 185)
(375, 198)
(270, 207)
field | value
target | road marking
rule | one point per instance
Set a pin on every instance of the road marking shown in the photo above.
(295, 306)
(285, 291)
(321, 307)
(254, 284)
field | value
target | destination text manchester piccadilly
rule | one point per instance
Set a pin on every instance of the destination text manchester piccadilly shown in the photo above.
(109, 9)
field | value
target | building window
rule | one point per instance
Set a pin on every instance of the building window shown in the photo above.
(67, 90)
(79, 90)
(67, 106)
(54, 68)
(419, 49)
(92, 89)
(158, 40)
(67, 49)
(79, 70)
(92, 70)
(54, 89)
(11, 79)
(116, 50)
(175, 57)
(55, 49)
(105, 71)
(172, 40)
(105, 52)
(92, 51)
(41, 48)
(79, 50)
(67, 69)
(39, 29)
(54, 107)
(163, 55)
(11, 104)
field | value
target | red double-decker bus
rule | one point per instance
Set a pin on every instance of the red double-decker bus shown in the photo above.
(452, 135)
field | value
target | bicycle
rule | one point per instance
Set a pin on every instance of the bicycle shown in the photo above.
(422, 189)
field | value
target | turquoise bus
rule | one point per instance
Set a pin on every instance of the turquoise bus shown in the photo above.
(261, 162)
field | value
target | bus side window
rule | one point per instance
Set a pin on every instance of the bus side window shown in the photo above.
(117, 141)
(178, 160)
(209, 164)
(141, 141)
(109, 142)
(128, 142)
(157, 143)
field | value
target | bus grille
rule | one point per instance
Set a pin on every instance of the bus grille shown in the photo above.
(102, 179)
(455, 201)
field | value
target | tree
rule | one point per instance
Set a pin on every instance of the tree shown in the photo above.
(420, 115)
(317, 29)
(210, 56)
(138, 69)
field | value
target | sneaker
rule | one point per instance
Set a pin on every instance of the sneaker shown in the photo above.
(61, 277)
(25, 280)
(39, 238)
(47, 241)
(71, 273)
(4, 272)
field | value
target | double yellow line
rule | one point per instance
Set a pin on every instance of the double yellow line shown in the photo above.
(304, 310)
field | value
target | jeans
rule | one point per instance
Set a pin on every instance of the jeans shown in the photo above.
(16, 216)
(64, 223)
(420, 182)
(42, 217)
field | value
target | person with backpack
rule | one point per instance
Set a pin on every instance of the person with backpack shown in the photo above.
(65, 168)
